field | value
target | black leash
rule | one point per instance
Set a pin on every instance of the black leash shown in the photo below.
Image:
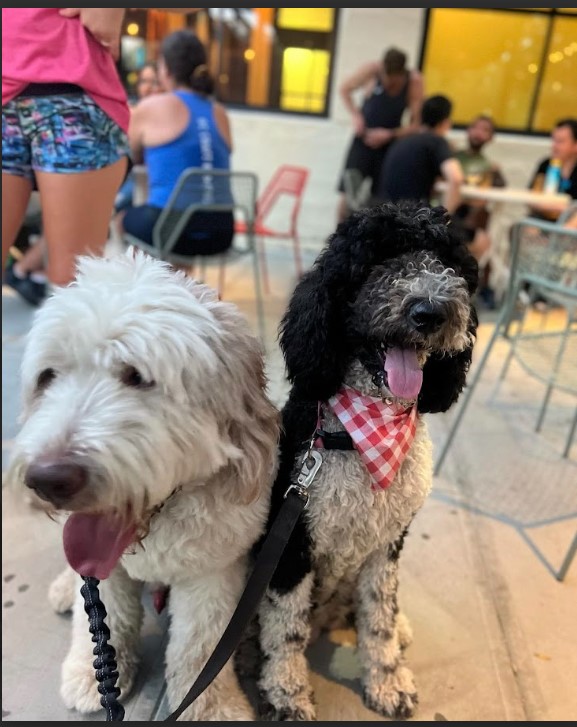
(105, 662)
(263, 571)
(296, 500)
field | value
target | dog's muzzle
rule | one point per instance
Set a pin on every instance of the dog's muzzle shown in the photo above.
(56, 480)
(427, 317)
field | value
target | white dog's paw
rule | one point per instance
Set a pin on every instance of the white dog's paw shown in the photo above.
(395, 696)
(404, 631)
(62, 591)
(79, 689)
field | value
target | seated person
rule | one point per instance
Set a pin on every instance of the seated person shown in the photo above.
(473, 216)
(414, 163)
(564, 150)
(176, 130)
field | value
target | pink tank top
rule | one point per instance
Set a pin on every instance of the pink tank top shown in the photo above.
(41, 46)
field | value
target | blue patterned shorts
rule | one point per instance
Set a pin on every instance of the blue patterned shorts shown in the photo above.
(65, 134)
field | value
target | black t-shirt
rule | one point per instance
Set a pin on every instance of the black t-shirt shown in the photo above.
(412, 166)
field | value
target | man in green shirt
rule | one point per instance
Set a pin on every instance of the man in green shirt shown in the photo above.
(473, 216)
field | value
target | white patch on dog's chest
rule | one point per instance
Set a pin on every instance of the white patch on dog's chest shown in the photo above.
(348, 520)
(206, 538)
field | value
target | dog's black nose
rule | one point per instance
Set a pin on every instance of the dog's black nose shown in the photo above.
(56, 481)
(427, 317)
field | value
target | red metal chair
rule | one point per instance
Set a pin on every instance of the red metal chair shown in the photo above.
(290, 181)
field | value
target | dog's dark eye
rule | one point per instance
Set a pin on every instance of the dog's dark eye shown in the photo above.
(131, 376)
(45, 378)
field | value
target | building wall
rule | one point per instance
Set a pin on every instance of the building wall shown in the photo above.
(264, 141)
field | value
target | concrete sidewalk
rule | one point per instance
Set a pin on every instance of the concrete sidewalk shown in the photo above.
(495, 634)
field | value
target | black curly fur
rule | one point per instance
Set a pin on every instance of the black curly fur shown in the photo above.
(319, 342)
(313, 335)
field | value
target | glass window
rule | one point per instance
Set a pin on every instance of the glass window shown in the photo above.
(519, 66)
(306, 18)
(270, 58)
(557, 97)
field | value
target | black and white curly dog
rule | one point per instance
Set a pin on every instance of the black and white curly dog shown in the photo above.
(383, 320)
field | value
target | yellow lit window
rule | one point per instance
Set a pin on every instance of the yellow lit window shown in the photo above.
(318, 19)
(304, 79)
(518, 66)
(558, 92)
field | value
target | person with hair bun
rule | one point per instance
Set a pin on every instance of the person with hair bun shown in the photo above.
(172, 131)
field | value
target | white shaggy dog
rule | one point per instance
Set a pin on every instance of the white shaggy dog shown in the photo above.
(146, 418)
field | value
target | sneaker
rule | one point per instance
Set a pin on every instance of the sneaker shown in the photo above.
(32, 292)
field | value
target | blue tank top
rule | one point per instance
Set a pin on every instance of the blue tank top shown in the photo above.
(200, 145)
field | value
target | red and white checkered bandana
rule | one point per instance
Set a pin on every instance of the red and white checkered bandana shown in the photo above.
(382, 432)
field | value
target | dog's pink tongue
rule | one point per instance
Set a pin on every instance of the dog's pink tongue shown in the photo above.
(404, 375)
(93, 544)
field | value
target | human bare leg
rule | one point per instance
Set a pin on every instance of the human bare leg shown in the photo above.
(77, 209)
(16, 193)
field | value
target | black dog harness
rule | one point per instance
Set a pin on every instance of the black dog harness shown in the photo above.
(334, 440)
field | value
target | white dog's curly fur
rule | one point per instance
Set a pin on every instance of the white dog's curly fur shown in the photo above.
(145, 397)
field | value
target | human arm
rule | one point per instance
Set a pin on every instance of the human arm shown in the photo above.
(135, 133)
(223, 123)
(453, 174)
(416, 96)
(536, 183)
(359, 79)
(380, 136)
(104, 24)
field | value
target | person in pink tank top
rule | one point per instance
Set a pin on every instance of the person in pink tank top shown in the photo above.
(65, 118)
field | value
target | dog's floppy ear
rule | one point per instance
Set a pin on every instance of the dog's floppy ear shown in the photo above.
(444, 377)
(313, 329)
(311, 335)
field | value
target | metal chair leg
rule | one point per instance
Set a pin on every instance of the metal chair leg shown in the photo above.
(562, 572)
(221, 276)
(465, 402)
(258, 295)
(298, 256)
(570, 436)
(503, 322)
(260, 244)
(554, 371)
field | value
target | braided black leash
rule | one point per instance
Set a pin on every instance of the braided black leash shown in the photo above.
(105, 662)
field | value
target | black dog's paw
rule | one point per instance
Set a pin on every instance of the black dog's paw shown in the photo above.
(304, 711)
(395, 697)
(398, 706)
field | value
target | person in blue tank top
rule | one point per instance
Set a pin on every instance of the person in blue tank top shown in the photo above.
(176, 130)
(389, 88)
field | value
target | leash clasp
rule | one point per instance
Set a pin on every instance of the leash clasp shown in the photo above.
(311, 464)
